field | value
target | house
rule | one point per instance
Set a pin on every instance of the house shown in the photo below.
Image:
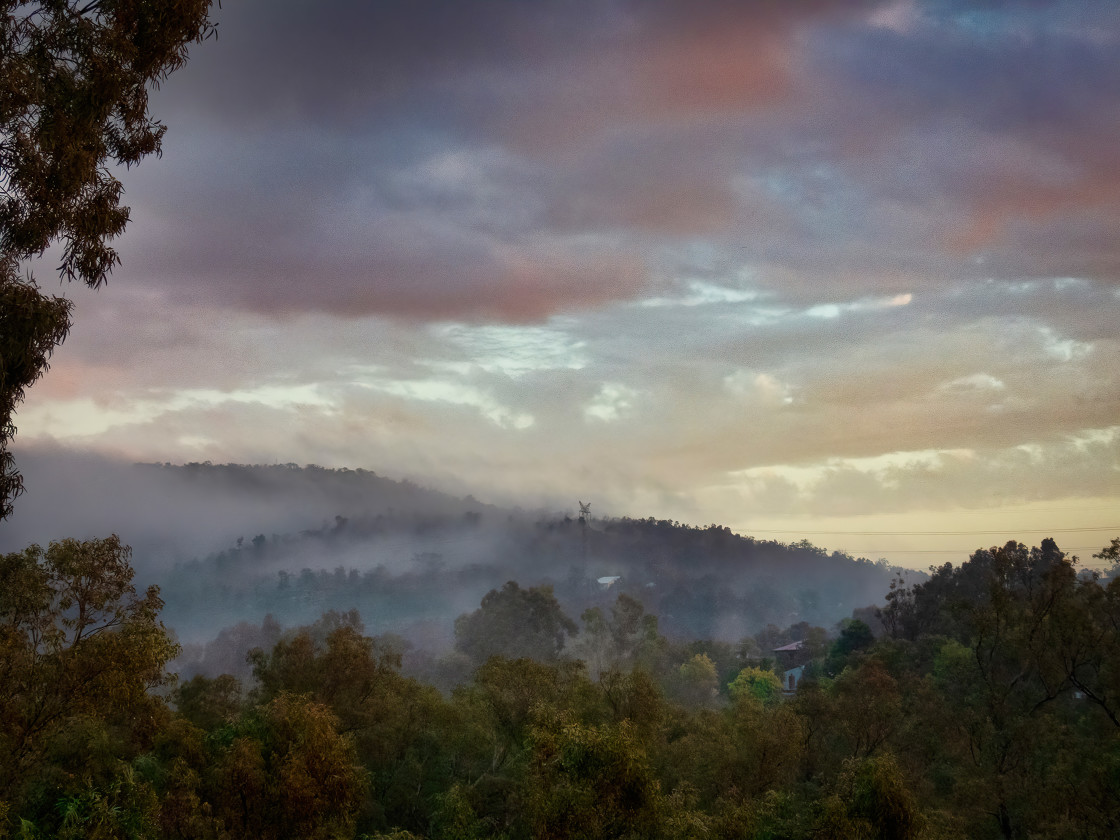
(791, 655)
(790, 679)
(792, 659)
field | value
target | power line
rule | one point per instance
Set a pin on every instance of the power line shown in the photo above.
(1115, 528)
(953, 550)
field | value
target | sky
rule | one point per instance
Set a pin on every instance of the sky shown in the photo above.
(830, 269)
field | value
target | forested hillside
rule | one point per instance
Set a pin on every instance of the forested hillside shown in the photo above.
(989, 706)
(410, 559)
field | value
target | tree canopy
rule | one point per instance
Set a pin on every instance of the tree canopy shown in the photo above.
(74, 83)
(515, 622)
(989, 712)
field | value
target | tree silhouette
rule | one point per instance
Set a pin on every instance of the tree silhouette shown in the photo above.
(74, 81)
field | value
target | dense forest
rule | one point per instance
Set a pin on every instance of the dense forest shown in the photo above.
(982, 702)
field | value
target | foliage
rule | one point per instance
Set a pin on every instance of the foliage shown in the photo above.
(999, 726)
(628, 637)
(697, 682)
(589, 782)
(31, 326)
(75, 641)
(757, 685)
(74, 80)
(855, 636)
(515, 623)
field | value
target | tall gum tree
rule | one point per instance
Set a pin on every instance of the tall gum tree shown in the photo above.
(74, 84)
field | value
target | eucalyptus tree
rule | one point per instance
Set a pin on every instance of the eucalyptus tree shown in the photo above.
(74, 82)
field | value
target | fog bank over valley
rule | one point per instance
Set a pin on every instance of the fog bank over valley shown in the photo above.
(260, 548)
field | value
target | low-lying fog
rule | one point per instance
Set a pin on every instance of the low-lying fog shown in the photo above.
(231, 545)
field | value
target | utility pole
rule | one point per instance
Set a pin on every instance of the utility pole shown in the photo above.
(584, 517)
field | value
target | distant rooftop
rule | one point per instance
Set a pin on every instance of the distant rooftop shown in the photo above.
(790, 646)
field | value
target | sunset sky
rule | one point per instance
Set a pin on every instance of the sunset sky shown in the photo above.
(836, 269)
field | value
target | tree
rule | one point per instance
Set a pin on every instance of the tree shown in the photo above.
(756, 684)
(589, 781)
(515, 623)
(209, 703)
(31, 326)
(1111, 552)
(76, 642)
(288, 773)
(74, 81)
(855, 636)
(1024, 688)
(872, 799)
(392, 722)
(629, 637)
(697, 681)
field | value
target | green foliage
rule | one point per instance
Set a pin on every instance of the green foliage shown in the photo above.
(126, 807)
(31, 326)
(515, 623)
(855, 636)
(1002, 728)
(633, 696)
(757, 685)
(75, 640)
(74, 80)
(209, 703)
(289, 773)
(878, 802)
(589, 782)
(697, 682)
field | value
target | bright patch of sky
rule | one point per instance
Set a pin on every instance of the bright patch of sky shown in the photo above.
(973, 382)
(762, 387)
(612, 402)
(85, 416)
(900, 16)
(1095, 437)
(702, 293)
(472, 179)
(512, 350)
(835, 310)
(1063, 349)
(453, 393)
(806, 477)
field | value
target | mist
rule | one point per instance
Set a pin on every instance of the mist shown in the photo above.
(241, 553)
(171, 514)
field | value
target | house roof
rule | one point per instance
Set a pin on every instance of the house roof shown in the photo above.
(790, 646)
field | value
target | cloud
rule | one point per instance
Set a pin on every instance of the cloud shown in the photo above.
(1076, 467)
(505, 161)
(633, 245)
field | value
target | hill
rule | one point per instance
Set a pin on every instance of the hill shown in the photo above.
(409, 558)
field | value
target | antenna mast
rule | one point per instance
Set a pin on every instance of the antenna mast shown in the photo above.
(584, 517)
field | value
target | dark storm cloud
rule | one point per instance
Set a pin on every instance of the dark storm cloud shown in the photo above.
(338, 62)
(301, 125)
(505, 160)
(1014, 128)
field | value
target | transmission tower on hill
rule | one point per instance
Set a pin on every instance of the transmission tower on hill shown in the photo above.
(584, 520)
